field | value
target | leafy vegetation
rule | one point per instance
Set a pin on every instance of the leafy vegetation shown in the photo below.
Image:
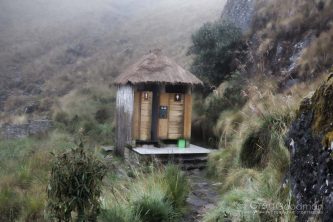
(213, 48)
(75, 186)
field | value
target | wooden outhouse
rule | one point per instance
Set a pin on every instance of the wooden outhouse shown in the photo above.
(154, 102)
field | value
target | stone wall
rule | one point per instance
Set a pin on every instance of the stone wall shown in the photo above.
(10, 131)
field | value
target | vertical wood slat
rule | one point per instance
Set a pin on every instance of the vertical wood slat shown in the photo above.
(136, 115)
(163, 123)
(145, 116)
(187, 116)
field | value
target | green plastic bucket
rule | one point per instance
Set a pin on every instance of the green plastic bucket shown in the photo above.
(181, 143)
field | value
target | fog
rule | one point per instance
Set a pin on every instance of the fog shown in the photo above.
(51, 46)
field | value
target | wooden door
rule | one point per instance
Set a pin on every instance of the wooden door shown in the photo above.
(163, 116)
(176, 116)
(145, 115)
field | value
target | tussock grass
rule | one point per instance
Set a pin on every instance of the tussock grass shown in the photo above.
(152, 206)
(177, 186)
(238, 178)
(266, 116)
(157, 196)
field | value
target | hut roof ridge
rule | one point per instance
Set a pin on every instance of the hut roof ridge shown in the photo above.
(155, 67)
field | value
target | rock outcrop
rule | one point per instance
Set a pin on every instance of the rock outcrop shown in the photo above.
(310, 141)
(240, 13)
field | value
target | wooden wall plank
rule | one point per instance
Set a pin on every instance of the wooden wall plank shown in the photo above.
(187, 116)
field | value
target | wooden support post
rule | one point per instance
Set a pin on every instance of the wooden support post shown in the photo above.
(124, 115)
(187, 116)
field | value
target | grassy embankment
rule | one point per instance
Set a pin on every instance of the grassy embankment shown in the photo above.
(252, 162)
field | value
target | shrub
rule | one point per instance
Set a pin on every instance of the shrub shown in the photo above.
(75, 185)
(213, 46)
(177, 186)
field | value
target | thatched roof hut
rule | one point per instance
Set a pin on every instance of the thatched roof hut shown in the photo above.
(156, 68)
(154, 102)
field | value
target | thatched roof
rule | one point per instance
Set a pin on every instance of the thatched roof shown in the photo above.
(156, 68)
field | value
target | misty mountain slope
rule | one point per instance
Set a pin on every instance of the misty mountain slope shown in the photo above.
(50, 48)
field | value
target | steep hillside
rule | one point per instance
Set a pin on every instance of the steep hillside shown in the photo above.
(50, 48)
(286, 55)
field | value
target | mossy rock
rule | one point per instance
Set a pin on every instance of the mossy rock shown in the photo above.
(321, 105)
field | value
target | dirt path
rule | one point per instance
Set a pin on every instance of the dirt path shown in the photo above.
(203, 197)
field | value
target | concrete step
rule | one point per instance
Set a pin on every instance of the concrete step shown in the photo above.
(187, 162)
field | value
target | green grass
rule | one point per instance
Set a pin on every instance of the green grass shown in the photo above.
(24, 169)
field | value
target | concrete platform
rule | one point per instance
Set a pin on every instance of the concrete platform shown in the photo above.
(170, 150)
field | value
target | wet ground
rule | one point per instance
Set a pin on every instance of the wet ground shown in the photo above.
(204, 195)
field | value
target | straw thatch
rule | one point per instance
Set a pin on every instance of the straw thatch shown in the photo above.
(156, 68)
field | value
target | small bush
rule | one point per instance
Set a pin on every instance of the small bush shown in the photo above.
(75, 185)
